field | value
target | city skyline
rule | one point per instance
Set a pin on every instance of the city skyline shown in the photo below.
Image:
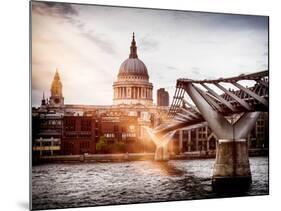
(88, 45)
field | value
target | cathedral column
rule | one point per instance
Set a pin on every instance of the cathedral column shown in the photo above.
(145, 93)
(134, 92)
(139, 93)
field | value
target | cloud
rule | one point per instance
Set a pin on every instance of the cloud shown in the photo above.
(195, 70)
(68, 13)
(54, 9)
(172, 68)
(100, 41)
(61, 11)
(209, 42)
(148, 44)
(88, 43)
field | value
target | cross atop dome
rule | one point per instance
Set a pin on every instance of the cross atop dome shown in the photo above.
(133, 52)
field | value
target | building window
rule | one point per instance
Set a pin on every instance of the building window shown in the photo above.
(86, 125)
(70, 124)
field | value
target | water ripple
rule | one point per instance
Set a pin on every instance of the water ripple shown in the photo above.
(74, 185)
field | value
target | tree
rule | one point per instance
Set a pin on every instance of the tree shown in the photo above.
(101, 146)
(121, 147)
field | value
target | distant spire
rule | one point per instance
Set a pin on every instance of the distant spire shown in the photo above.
(133, 52)
(43, 102)
(57, 76)
(56, 87)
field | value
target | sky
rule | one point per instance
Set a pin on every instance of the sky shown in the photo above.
(88, 43)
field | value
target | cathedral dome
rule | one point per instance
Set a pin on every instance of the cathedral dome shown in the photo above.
(132, 85)
(133, 67)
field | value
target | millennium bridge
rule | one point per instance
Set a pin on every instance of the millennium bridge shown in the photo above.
(212, 101)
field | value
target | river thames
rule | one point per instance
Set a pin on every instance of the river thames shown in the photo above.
(93, 184)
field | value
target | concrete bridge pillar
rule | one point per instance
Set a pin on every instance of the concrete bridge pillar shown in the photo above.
(161, 153)
(189, 141)
(232, 169)
(162, 147)
(161, 143)
(180, 141)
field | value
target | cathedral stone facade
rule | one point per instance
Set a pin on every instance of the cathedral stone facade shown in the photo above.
(132, 85)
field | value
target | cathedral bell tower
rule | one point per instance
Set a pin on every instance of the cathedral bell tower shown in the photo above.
(56, 98)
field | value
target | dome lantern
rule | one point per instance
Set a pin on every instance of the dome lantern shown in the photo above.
(133, 53)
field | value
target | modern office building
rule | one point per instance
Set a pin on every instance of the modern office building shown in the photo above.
(162, 97)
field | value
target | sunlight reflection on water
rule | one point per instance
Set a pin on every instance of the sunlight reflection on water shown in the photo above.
(71, 185)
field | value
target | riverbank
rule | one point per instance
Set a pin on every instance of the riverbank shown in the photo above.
(94, 158)
(132, 157)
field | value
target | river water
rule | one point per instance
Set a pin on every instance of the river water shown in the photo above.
(92, 184)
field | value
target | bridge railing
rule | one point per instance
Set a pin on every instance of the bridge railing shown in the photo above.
(243, 99)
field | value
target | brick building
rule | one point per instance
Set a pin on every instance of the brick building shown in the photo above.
(79, 135)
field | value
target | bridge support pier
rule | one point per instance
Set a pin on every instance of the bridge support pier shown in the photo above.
(232, 169)
(161, 153)
(161, 143)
